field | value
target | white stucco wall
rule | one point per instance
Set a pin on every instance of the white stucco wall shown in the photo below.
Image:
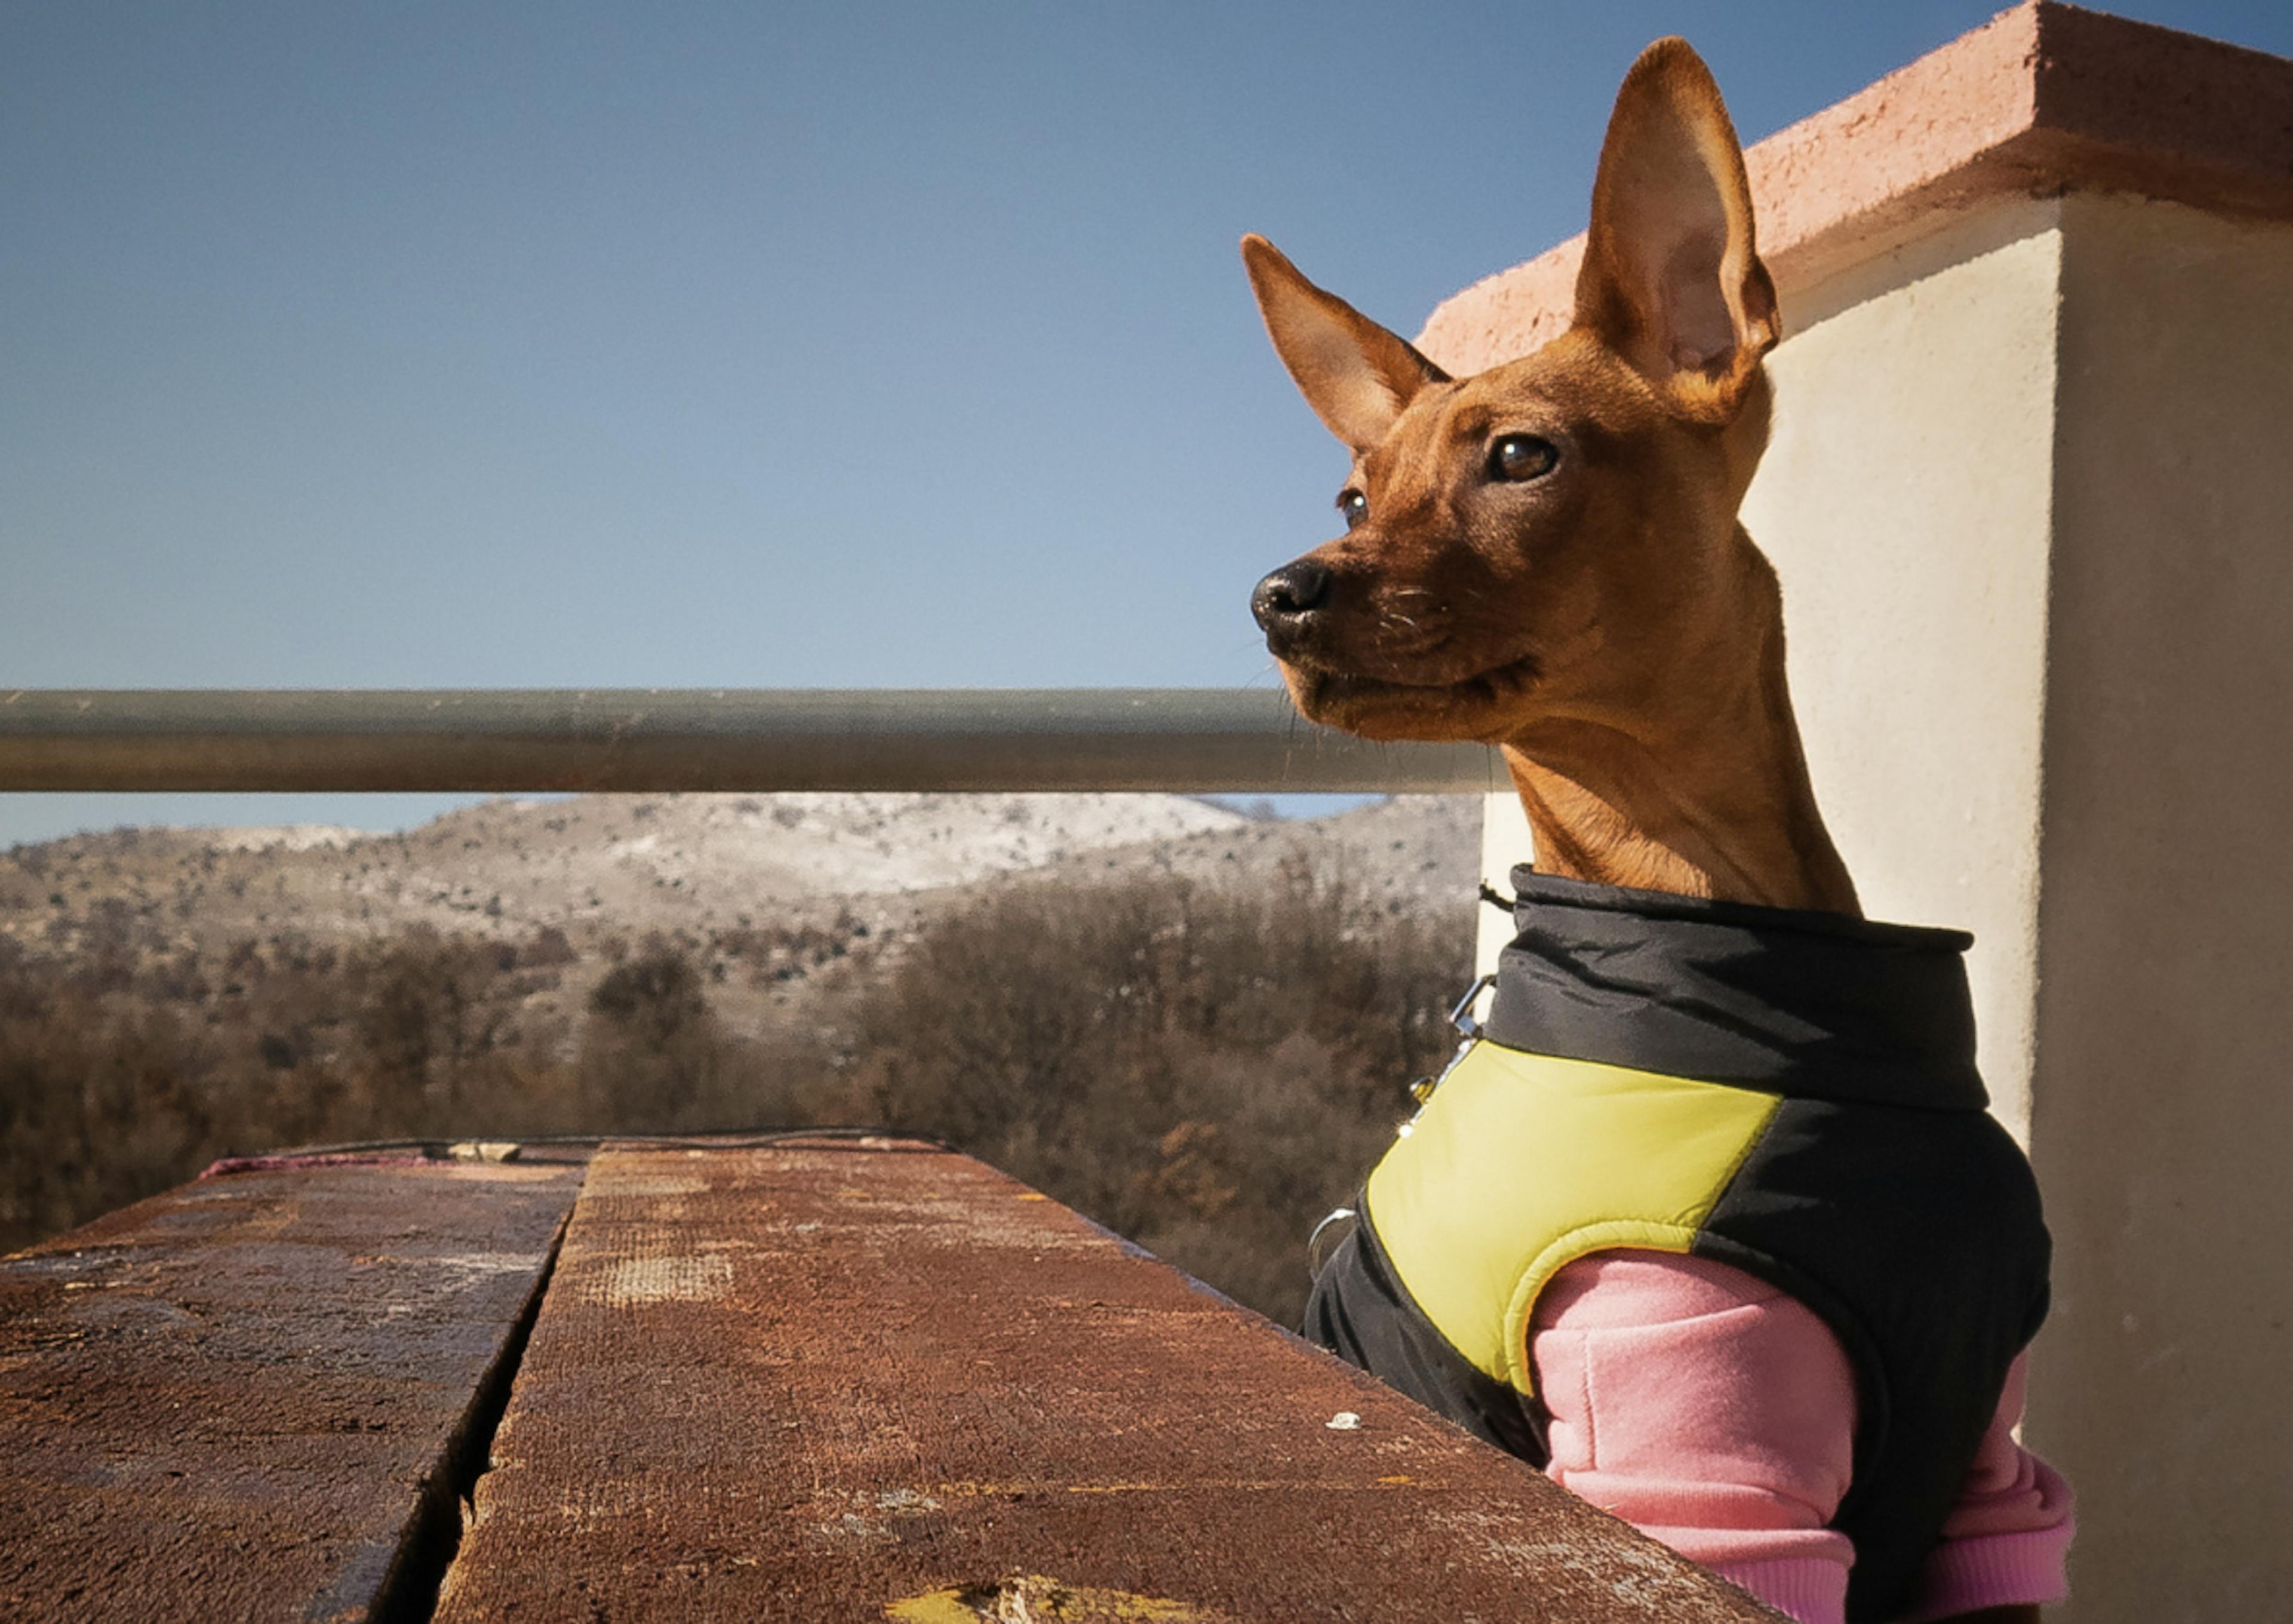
(2163, 1130)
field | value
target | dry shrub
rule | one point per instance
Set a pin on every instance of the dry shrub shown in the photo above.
(654, 1058)
(96, 1108)
(1205, 1070)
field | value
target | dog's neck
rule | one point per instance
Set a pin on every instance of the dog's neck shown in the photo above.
(1700, 789)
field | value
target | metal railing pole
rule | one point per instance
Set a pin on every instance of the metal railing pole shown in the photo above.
(507, 740)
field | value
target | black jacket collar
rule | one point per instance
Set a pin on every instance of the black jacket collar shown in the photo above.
(1808, 1004)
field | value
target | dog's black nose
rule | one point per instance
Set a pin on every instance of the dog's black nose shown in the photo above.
(1283, 598)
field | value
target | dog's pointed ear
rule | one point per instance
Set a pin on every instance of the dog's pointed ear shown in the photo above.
(1356, 375)
(1672, 277)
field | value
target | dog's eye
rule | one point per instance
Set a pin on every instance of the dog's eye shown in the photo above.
(1354, 505)
(1522, 456)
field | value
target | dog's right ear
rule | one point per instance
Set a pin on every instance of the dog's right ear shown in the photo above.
(1356, 375)
(1672, 278)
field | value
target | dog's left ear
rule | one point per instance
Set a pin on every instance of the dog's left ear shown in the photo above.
(1356, 375)
(1672, 280)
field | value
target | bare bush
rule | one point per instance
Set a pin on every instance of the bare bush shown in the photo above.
(651, 1052)
(1205, 1070)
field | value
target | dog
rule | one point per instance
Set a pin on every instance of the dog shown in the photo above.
(1719, 1166)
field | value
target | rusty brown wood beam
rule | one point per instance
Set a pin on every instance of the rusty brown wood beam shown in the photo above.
(254, 1397)
(861, 1382)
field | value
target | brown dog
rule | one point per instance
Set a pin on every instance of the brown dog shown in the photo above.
(1546, 556)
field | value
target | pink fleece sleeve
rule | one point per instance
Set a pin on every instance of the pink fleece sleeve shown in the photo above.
(1708, 1410)
(1717, 1414)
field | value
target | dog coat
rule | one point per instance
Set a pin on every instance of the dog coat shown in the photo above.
(1792, 1094)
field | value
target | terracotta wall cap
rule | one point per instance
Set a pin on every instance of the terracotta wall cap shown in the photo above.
(2041, 100)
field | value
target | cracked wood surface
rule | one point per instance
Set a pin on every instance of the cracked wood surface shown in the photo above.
(242, 1399)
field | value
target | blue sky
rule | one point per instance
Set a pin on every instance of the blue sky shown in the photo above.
(743, 344)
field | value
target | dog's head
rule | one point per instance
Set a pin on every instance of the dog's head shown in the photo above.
(1537, 540)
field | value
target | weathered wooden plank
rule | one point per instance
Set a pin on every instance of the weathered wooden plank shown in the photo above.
(836, 1382)
(241, 1399)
